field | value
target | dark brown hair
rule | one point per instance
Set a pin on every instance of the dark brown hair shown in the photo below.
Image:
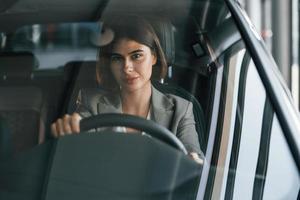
(133, 28)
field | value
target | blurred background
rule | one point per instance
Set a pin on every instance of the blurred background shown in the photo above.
(278, 23)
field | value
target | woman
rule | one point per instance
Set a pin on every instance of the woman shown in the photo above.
(125, 68)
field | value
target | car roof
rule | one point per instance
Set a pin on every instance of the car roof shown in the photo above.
(25, 12)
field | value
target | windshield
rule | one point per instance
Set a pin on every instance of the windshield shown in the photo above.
(137, 58)
(79, 52)
(139, 99)
(77, 68)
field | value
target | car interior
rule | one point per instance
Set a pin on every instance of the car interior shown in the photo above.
(55, 91)
(33, 96)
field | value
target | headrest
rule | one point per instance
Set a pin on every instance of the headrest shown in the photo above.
(17, 64)
(165, 32)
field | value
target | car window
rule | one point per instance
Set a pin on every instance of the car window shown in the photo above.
(249, 140)
(257, 146)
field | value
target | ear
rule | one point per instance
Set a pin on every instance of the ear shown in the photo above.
(154, 58)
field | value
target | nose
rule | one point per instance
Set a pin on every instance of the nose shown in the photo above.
(128, 67)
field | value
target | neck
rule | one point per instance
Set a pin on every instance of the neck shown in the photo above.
(137, 102)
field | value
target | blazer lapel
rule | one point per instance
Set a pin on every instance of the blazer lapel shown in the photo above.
(111, 104)
(162, 107)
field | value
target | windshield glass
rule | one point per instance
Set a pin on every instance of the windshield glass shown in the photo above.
(78, 70)
(139, 99)
(139, 58)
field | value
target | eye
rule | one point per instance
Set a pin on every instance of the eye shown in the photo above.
(115, 58)
(137, 56)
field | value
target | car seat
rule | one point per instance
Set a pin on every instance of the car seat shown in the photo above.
(165, 32)
(21, 103)
(16, 66)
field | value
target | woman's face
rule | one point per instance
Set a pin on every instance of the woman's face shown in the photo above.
(131, 64)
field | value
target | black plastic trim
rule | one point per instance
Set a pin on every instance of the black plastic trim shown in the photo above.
(217, 142)
(237, 128)
(208, 116)
(264, 148)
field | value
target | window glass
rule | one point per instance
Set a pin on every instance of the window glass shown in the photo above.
(254, 101)
(248, 134)
(257, 154)
(282, 180)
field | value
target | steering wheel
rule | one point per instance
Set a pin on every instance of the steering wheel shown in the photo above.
(131, 121)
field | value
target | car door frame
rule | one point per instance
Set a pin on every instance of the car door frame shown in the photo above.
(275, 86)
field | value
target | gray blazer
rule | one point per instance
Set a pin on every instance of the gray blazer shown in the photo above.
(170, 111)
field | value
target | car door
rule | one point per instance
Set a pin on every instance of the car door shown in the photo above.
(253, 147)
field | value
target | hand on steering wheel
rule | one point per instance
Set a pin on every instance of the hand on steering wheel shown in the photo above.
(74, 124)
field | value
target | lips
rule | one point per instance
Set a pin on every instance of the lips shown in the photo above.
(130, 80)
